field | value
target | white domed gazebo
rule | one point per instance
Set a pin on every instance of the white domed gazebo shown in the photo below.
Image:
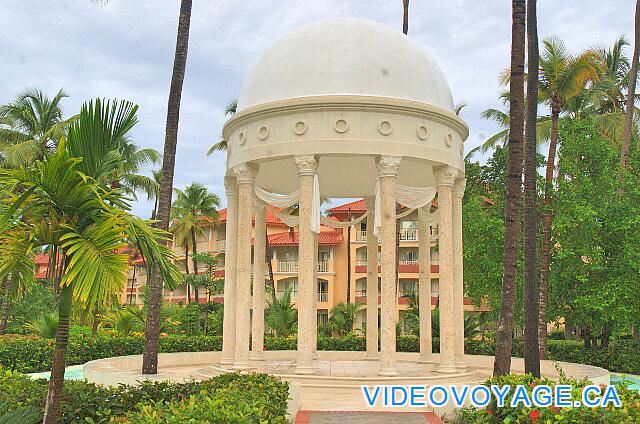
(345, 108)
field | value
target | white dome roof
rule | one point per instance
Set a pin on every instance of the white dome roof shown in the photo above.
(345, 56)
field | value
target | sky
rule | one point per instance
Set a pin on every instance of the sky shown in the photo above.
(124, 49)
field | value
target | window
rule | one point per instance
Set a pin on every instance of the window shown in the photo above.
(323, 316)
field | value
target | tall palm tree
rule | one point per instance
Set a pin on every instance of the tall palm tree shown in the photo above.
(154, 301)
(531, 289)
(631, 95)
(280, 315)
(194, 206)
(30, 126)
(502, 363)
(156, 175)
(562, 77)
(90, 233)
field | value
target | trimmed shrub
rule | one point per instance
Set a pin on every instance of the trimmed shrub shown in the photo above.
(241, 398)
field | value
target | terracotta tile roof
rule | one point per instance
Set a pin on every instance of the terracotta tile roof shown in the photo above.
(271, 218)
(325, 238)
(357, 206)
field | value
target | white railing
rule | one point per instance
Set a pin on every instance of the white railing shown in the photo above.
(409, 262)
(221, 245)
(361, 293)
(361, 262)
(323, 297)
(323, 266)
(287, 266)
(408, 234)
(202, 246)
(361, 235)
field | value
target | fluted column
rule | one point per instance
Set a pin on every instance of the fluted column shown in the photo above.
(424, 285)
(372, 282)
(388, 168)
(458, 273)
(245, 174)
(445, 177)
(259, 253)
(307, 263)
(231, 237)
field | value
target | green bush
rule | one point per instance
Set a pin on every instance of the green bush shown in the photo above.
(492, 414)
(241, 398)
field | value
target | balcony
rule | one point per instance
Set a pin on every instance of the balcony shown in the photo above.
(220, 245)
(361, 235)
(323, 297)
(292, 266)
(408, 234)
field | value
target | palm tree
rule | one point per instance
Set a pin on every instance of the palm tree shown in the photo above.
(30, 126)
(152, 333)
(90, 233)
(156, 176)
(502, 364)
(562, 77)
(531, 290)
(281, 317)
(343, 317)
(631, 95)
(193, 206)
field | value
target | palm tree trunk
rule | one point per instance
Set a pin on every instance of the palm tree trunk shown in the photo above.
(628, 123)
(133, 282)
(195, 263)
(5, 305)
(502, 364)
(531, 289)
(54, 395)
(405, 16)
(348, 261)
(267, 256)
(186, 268)
(96, 321)
(546, 232)
(152, 333)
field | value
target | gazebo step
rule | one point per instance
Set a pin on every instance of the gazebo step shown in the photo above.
(369, 417)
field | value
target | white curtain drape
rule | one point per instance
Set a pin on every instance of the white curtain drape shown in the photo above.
(411, 197)
(342, 224)
(287, 200)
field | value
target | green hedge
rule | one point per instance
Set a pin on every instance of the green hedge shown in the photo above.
(252, 398)
(32, 354)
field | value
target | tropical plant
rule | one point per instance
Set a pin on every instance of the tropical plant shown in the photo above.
(631, 95)
(152, 333)
(45, 326)
(193, 210)
(221, 145)
(502, 363)
(343, 317)
(30, 126)
(60, 205)
(562, 77)
(280, 315)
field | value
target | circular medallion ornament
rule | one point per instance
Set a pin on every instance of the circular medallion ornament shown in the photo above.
(300, 127)
(448, 140)
(422, 132)
(385, 128)
(341, 126)
(242, 137)
(263, 133)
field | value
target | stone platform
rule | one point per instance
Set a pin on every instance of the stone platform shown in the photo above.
(336, 384)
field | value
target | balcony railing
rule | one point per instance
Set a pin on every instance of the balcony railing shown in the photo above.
(293, 266)
(361, 293)
(323, 266)
(408, 234)
(323, 297)
(409, 263)
(361, 235)
(221, 245)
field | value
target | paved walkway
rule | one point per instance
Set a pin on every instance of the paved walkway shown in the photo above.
(330, 417)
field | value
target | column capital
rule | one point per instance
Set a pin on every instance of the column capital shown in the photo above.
(307, 164)
(388, 165)
(445, 175)
(459, 186)
(245, 173)
(369, 203)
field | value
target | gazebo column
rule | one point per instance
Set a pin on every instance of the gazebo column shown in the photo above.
(259, 254)
(458, 273)
(388, 168)
(231, 237)
(245, 175)
(445, 177)
(424, 285)
(307, 263)
(372, 282)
